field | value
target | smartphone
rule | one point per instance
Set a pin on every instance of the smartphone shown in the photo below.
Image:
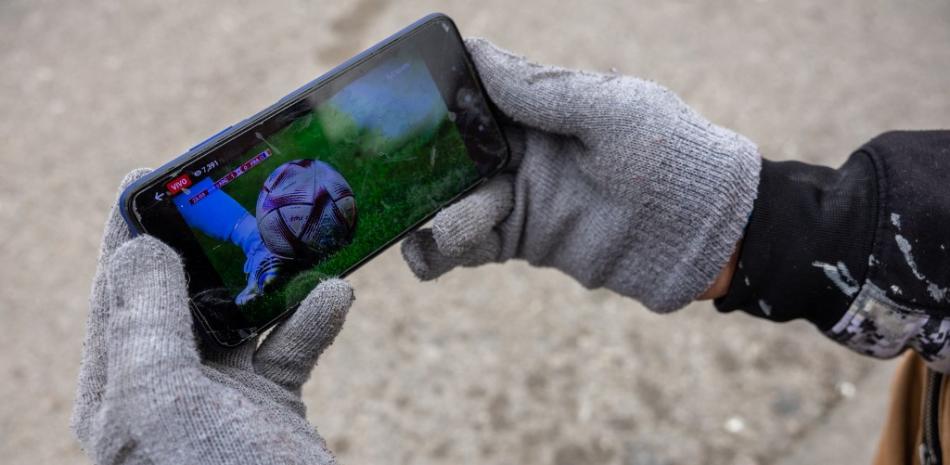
(322, 181)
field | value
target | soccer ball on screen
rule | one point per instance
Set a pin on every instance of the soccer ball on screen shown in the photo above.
(306, 211)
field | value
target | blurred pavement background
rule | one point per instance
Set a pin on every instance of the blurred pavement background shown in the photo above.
(500, 365)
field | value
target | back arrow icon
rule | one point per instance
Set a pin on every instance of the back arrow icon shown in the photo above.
(159, 196)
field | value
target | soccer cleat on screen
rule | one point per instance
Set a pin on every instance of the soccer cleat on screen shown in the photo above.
(223, 219)
(261, 266)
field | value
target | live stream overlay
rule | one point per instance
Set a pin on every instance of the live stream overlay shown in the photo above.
(388, 134)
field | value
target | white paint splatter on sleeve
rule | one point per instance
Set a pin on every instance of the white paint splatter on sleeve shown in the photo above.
(938, 293)
(904, 245)
(840, 276)
(879, 326)
(766, 308)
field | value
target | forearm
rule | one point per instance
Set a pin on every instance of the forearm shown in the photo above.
(859, 251)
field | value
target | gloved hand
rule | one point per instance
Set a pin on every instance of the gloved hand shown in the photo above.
(148, 394)
(614, 181)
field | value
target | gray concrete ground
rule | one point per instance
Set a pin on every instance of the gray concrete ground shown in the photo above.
(503, 364)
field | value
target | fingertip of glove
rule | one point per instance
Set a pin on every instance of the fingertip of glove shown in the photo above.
(482, 47)
(133, 176)
(474, 41)
(335, 293)
(326, 307)
(414, 249)
(476, 45)
(490, 59)
(117, 232)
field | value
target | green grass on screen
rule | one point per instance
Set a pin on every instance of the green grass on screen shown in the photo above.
(396, 182)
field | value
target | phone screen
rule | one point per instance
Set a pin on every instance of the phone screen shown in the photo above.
(322, 185)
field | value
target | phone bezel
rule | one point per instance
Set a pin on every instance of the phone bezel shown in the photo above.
(169, 170)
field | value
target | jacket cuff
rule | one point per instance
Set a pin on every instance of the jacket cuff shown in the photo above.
(806, 247)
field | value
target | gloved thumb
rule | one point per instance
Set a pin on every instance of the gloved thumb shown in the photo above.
(427, 262)
(464, 233)
(150, 325)
(465, 224)
(291, 351)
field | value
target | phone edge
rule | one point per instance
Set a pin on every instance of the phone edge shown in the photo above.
(198, 150)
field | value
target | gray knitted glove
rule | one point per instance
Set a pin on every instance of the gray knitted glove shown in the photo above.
(148, 394)
(614, 181)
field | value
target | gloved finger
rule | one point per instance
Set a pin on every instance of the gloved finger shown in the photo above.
(117, 231)
(422, 254)
(241, 357)
(291, 351)
(549, 98)
(468, 222)
(92, 371)
(150, 328)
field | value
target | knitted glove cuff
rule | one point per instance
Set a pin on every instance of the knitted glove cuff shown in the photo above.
(702, 215)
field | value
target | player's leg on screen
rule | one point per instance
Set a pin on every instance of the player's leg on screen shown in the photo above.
(221, 217)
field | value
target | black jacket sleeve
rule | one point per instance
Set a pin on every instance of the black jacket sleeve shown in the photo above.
(862, 251)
